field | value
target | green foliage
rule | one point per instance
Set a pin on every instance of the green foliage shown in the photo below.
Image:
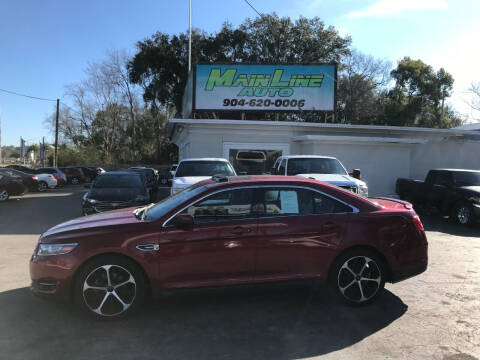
(161, 63)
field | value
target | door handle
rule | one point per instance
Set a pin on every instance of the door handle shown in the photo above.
(240, 230)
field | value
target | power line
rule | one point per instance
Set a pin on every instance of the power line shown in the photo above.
(249, 4)
(27, 96)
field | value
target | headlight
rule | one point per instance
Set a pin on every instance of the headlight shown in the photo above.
(55, 249)
(91, 201)
(363, 190)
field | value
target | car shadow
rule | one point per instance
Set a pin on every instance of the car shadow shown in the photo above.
(447, 226)
(280, 321)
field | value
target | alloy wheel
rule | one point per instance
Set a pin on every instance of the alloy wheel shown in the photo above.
(74, 181)
(42, 186)
(3, 195)
(359, 279)
(463, 215)
(109, 290)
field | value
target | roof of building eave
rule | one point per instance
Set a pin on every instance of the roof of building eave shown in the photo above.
(410, 129)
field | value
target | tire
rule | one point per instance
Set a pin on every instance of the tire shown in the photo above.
(75, 181)
(463, 214)
(4, 195)
(358, 277)
(126, 283)
(42, 186)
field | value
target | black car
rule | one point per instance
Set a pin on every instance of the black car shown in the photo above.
(115, 190)
(11, 186)
(29, 180)
(90, 173)
(450, 192)
(150, 175)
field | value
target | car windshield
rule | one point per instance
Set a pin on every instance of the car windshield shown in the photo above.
(118, 181)
(163, 207)
(315, 166)
(204, 168)
(467, 178)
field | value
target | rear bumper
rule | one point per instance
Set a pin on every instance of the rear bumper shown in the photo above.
(399, 275)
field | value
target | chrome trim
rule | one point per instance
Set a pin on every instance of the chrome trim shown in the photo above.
(354, 209)
(148, 247)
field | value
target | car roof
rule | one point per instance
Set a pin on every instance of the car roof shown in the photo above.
(109, 173)
(307, 156)
(204, 159)
(457, 170)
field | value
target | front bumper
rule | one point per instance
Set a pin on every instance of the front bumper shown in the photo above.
(52, 275)
(476, 211)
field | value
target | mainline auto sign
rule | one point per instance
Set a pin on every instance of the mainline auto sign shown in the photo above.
(265, 87)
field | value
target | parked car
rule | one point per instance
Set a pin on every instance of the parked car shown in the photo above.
(56, 172)
(322, 168)
(29, 180)
(11, 186)
(115, 190)
(150, 174)
(45, 181)
(450, 192)
(232, 230)
(191, 171)
(74, 175)
(90, 173)
(172, 169)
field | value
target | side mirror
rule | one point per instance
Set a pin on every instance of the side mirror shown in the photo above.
(183, 221)
(357, 174)
(88, 186)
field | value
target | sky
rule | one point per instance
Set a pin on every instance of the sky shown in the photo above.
(46, 45)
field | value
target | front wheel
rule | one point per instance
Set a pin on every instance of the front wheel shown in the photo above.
(358, 277)
(4, 195)
(75, 181)
(110, 287)
(463, 214)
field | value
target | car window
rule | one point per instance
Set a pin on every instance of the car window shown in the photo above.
(281, 168)
(315, 166)
(443, 178)
(223, 206)
(469, 178)
(291, 201)
(118, 181)
(204, 168)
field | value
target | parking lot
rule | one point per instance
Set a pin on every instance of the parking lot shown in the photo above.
(435, 315)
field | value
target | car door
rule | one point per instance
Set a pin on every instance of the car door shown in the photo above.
(440, 190)
(217, 249)
(298, 232)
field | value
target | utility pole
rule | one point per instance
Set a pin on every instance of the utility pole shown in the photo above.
(55, 154)
(190, 36)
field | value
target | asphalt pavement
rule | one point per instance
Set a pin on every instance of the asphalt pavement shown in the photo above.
(433, 316)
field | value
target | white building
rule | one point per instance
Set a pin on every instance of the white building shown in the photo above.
(383, 153)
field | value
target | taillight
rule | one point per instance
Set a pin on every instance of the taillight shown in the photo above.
(418, 223)
(34, 177)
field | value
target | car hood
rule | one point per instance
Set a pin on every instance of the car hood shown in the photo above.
(113, 194)
(186, 181)
(472, 189)
(334, 179)
(91, 222)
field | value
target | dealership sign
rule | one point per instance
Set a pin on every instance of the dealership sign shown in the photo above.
(264, 87)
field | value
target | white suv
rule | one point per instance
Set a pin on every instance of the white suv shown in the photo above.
(191, 171)
(322, 168)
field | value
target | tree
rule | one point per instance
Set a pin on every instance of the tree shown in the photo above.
(160, 64)
(418, 98)
(475, 91)
(360, 84)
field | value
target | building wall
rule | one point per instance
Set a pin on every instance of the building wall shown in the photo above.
(381, 162)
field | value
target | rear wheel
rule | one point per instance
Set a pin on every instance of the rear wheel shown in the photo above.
(42, 186)
(463, 214)
(358, 277)
(4, 195)
(110, 287)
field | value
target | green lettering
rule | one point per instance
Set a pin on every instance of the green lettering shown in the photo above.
(246, 91)
(277, 77)
(301, 81)
(262, 80)
(316, 81)
(216, 78)
(241, 79)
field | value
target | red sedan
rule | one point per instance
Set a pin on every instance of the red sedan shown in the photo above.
(227, 231)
